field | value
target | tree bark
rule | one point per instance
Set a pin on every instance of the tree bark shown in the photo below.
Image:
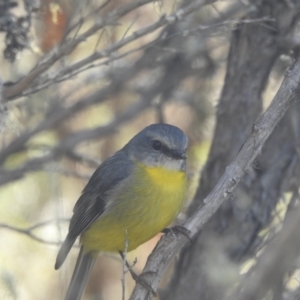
(203, 270)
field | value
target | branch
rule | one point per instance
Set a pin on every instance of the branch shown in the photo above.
(71, 141)
(164, 20)
(17, 89)
(168, 247)
(29, 231)
(59, 114)
(88, 62)
(24, 86)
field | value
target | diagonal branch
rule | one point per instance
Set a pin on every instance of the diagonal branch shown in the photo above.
(168, 247)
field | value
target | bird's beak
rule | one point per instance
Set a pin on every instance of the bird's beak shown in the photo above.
(177, 154)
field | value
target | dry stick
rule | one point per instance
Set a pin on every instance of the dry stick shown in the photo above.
(124, 271)
(168, 247)
(77, 25)
(29, 231)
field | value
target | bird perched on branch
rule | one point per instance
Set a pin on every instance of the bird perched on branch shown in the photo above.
(131, 197)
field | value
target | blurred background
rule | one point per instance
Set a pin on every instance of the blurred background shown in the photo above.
(79, 78)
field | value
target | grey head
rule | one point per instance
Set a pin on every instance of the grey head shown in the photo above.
(161, 145)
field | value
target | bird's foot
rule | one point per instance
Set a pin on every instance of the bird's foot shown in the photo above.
(178, 229)
(140, 280)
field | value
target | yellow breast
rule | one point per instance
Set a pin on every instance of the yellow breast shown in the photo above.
(142, 207)
(168, 181)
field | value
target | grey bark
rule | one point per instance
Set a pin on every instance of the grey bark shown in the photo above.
(203, 270)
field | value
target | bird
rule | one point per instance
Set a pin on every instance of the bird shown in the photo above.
(131, 197)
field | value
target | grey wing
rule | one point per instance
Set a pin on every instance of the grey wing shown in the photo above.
(92, 202)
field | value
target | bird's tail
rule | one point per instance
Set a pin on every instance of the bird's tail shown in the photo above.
(84, 264)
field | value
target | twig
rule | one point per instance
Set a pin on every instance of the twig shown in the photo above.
(164, 20)
(79, 23)
(17, 89)
(60, 114)
(70, 142)
(70, 173)
(29, 233)
(124, 271)
(93, 162)
(88, 63)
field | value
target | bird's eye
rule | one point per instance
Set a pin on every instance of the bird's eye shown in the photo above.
(157, 145)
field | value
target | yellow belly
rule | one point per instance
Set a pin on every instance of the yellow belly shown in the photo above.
(140, 209)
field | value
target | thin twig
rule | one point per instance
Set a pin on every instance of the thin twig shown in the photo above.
(17, 89)
(124, 270)
(29, 233)
(89, 62)
(70, 142)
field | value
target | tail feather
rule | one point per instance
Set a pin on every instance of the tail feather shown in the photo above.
(84, 265)
(63, 251)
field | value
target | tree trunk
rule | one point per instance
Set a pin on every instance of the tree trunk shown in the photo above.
(206, 268)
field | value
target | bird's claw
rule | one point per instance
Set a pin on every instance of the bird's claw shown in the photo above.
(178, 229)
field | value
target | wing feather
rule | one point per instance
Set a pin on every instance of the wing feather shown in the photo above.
(92, 203)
